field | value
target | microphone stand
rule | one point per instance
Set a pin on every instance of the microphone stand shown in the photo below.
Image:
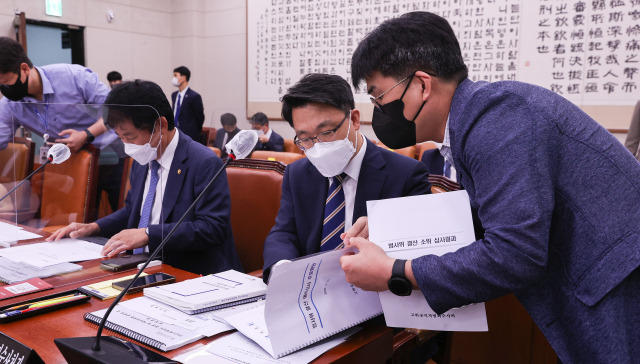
(49, 160)
(77, 350)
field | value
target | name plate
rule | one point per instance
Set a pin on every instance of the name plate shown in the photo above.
(12, 351)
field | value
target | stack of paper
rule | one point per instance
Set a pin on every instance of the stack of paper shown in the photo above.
(10, 234)
(14, 272)
(210, 292)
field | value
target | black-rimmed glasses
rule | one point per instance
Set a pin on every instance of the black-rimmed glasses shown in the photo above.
(324, 137)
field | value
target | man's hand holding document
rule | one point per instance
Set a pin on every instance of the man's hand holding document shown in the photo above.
(410, 227)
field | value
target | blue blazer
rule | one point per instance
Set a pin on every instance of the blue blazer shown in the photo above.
(559, 199)
(298, 228)
(220, 137)
(275, 143)
(191, 115)
(434, 161)
(203, 243)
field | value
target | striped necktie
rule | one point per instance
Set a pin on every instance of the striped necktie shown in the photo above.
(145, 215)
(334, 215)
(446, 171)
(177, 117)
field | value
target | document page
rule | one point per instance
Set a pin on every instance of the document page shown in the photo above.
(55, 252)
(309, 300)
(410, 227)
(14, 272)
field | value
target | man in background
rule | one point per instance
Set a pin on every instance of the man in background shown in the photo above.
(267, 138)
(226, 133)
(188, 110)
(169, 172)
(114, 78)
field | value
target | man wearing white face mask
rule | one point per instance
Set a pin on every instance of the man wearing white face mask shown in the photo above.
(188, 111)
(170, 171)
(324, 193)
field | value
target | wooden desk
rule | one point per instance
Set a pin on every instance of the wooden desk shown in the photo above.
(373, 344)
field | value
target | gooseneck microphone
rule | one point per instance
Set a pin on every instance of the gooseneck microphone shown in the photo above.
(57, 154)
(90, 349)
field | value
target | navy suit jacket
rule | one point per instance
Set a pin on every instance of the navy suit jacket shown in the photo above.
(298, 228)
(203, 243)
(220, 137)
(434, 161)
(559, 199)
(275, 143)
(191, 115)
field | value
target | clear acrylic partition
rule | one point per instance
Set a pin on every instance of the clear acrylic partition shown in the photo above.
(60, 193)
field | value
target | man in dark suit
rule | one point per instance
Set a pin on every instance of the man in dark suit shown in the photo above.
(556, 193)
(169, 172)
(188, 111)
(340, 163)
(435, 163)
(226, 133)
(267, 138)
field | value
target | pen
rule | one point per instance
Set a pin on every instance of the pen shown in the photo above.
(27, 305)
(18, 312)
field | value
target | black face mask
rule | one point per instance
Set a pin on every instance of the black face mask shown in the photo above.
(17, 91)
(390, 125)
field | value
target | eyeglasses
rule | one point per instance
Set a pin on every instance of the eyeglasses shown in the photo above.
(374, 100)
(324, 137)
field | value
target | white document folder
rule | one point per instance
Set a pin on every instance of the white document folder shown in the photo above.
(410, 227)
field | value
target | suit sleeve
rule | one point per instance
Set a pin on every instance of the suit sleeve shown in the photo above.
(275, 143)
(515, 206)
(418, 182)
(282, 241)
(633, 136)
(208, 224)
(119, 220)
(198, 111)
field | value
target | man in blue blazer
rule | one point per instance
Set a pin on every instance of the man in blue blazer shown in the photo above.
(557, 195)
(226, 133)
(187, 105)
(267, 139)
(321, 109)
(169, 172)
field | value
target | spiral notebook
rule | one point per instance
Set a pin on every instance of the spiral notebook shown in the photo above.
(308, 300)
(211, 292)
(145, 329)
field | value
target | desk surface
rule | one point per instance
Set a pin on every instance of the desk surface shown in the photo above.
(372, 344)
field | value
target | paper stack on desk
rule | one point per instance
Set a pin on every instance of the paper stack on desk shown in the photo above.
(55, 252)
(10, 234)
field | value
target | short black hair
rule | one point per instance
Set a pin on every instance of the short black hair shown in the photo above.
(114, 76)
(416, 41)
(228, 119)
(260, 118)
(183, 71)
(12, 55)
(127, 101)
(318, 88)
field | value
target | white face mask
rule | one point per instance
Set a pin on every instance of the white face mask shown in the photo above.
(143, 154)
(331, 158)
(174, 81)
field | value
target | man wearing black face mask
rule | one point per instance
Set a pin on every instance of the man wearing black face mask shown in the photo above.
(556, 193)
(40, 91)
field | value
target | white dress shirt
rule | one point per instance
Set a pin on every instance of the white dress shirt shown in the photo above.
(163, 175)
(350, 183)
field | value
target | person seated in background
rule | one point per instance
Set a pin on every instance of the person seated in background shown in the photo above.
(114, 78)
(324, 193)
(169, 172)
(267, 138)
(226, 133)
(436, 164)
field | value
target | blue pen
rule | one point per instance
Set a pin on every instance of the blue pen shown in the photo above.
(10, 313)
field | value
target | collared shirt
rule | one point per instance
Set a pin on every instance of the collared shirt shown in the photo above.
(163, 174)
(452, 168)
(72, 99)
(350, 183)
(445, 149)
(268, 133)
(179, 96)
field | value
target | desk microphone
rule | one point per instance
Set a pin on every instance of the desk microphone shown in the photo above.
(57, 154)
(89, 349)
